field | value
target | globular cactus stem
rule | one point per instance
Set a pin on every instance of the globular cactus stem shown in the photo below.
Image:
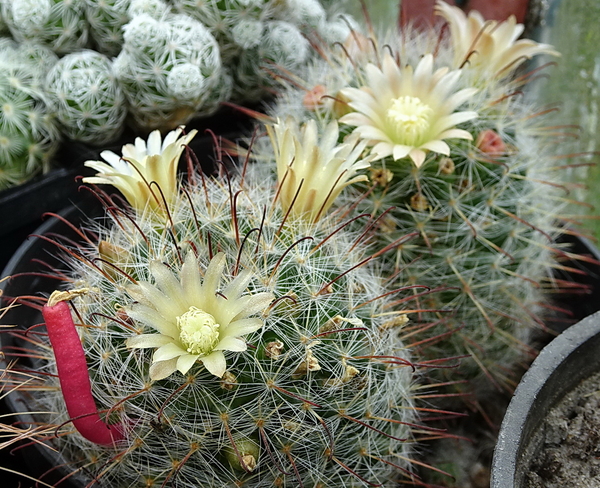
(240, 343)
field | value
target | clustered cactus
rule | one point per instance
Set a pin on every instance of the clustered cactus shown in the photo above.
(263, 327)
(158, 63)
(28, 131)
(86, 98)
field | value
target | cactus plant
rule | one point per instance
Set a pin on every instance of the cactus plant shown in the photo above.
(169, 69)
(466, 163)
(57, 24)
(28, 133)
(275, 356)
(107, 19)
(86, 98)
(260, 37)
(173, 61)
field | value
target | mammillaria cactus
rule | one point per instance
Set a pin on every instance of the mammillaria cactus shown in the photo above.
(57, 24)
(86, 98)
(231, 339)
(262, 37)
(106, 20)
(28, 133)
(169, 69)
(463, 161)
(172, 61)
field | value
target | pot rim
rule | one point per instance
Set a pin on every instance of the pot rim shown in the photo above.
(559, 368)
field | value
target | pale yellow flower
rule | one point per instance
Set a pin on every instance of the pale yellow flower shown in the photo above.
(141, 164)
(312, 171)
(489, 47)
(403, 112)
(195, 321)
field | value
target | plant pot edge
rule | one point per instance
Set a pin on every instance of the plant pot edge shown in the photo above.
(567, 356)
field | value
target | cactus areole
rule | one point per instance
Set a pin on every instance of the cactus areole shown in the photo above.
(73, 372)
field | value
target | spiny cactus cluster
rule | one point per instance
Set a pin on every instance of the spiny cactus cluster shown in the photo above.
(160, 63)
(261, 37)
(462, 160)
(86, 98)
(28, 132)
(251, 329)
(232, 340)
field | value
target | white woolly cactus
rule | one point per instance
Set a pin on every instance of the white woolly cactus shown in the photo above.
(172, 61)
(169, 69)
(86, 98)
(57, 24)
(106, 20)
(262, 37)
(232, 344)
(28, 133)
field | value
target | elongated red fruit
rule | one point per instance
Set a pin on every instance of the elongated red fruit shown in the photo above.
(73, 372)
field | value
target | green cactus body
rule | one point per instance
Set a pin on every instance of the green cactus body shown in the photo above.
(169, 69)
(28, 133)
(320, 397)
(86, 98)
(57, 24)
(486, 213)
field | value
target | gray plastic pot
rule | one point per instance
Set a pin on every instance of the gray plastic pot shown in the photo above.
(560, 367)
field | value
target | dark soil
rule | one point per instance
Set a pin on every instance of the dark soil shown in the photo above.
(569, 454)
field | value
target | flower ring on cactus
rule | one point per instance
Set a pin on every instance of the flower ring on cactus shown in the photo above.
(489, 48)
(405, 113)
(195, 321)
(143, 169)
(313, 172)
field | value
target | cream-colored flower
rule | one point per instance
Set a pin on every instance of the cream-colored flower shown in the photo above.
(491, 47)
(194, 320)
(404, 112)
(141, 164)
(312, 171)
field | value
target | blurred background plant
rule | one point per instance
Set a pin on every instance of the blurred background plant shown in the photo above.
(28, 130)
(574, 91)
(156, 65)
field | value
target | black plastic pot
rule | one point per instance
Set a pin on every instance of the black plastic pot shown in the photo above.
(560, 367)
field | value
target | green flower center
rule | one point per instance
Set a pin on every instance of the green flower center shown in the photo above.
(409, 120)
(198, 331)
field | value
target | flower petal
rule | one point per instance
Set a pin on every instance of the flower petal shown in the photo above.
(162, 369)
(168, 351)
(231, 344)
(144, 341)
(242, 327)
(215, 363)
(185, 362)
(148, 315)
